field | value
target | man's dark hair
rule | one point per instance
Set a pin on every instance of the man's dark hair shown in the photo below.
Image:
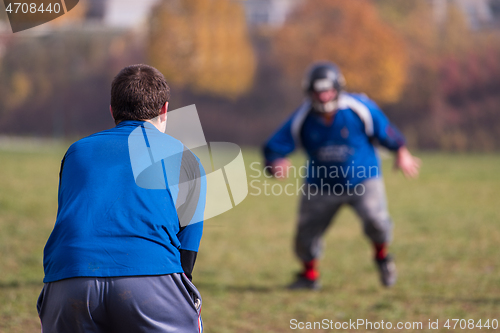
(138, 92)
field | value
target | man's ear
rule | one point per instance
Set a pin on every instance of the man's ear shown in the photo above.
(111, 111)
(163, 112)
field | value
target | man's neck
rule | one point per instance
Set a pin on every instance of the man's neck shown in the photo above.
(329, 117)
(159, 125)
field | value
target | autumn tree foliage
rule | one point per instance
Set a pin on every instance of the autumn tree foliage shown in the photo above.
(202, 45)
(453, 92)
(74, 16)
(370, 53)
(59, 85)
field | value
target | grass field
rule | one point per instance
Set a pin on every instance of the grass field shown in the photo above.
(445, 241)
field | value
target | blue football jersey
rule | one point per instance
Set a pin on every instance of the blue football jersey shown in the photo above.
(130, 199)
(340, 150)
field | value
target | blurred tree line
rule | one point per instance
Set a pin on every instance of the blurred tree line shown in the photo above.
(58, 85)
(438, 81)
(202, 45)
(452, 98)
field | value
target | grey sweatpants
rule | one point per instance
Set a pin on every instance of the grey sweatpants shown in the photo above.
(159, 304)
(317, 211)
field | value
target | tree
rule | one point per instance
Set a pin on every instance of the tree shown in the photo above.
(452, 94)
(351, 34)
(74, 16)
(59, 84)
(202, 45)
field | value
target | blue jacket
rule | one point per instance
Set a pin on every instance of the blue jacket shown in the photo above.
(130, 199)
(340, 152)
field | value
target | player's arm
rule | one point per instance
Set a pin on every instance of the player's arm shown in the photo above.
(277, 148)
(190, 209)
(390, 137)
(407, 163)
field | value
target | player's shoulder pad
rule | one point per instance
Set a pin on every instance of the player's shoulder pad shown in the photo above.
(359, 106)
(303, 108)
(298, 119)
(367, 101)
(361, 97)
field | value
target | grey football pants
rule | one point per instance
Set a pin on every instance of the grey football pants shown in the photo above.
(317, 212)
(159, 304)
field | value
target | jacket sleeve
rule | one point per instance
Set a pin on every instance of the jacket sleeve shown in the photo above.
(190, 209)
(384, 131)
(283, 141)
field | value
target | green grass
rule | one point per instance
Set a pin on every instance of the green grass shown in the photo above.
(445, 241)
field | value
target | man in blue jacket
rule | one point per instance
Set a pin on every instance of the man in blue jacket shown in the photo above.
(129, 222)
(338, 130)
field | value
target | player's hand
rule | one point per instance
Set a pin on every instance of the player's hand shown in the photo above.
(279, 168)
(407, 163)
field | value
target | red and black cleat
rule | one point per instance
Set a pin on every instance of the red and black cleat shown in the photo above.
(304, 282)
(387, 269)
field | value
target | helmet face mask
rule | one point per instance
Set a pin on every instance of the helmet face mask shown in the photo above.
(327, 107)
(321, 77)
